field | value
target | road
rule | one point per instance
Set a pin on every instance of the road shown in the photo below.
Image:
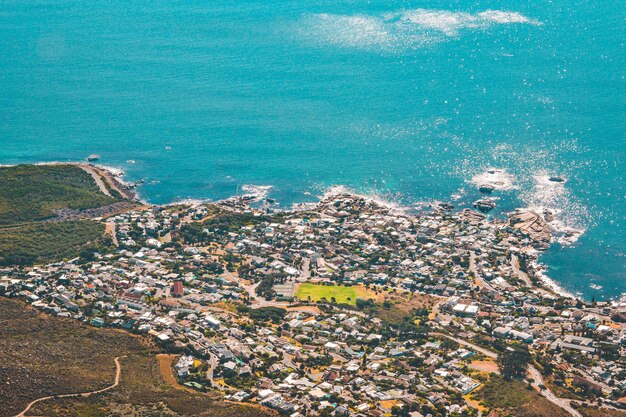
(118, 374)
(520, 274)
(97, 179)
(538, 381)
(464, 342)
(213, 363)
(479, 280)
(288, 362)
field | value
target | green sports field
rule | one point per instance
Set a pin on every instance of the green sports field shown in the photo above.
(343, 294)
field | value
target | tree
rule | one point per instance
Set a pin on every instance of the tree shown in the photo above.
(513, 362)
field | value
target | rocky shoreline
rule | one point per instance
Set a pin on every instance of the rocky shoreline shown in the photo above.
(535, 225)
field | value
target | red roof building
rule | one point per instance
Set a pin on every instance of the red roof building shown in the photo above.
(177, 289)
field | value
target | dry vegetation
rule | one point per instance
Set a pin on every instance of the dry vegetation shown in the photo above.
(401, 304)
(602, 412)
(47, 356)
(144, 392)
(515, 399)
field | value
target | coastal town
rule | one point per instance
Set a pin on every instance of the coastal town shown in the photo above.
(346, 307)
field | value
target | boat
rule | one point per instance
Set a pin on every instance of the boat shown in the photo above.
(93, 157)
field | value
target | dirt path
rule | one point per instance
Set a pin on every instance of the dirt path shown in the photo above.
(110, 229)
(118, 374)
(97, 178)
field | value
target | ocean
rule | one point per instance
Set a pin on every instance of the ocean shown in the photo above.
(411, 101)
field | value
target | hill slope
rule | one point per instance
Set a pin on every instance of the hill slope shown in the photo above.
(44, 212)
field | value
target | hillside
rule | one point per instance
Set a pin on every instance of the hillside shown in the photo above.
(46, 355)
(45, 212)
(35, 192)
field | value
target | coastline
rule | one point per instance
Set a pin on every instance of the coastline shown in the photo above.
(115, 177)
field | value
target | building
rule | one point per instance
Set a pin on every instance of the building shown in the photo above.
(177, 289)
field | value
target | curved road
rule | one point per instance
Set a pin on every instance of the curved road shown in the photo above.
(538, 381)
(118, 374)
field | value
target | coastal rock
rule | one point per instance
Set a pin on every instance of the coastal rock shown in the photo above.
(472, 216)
(533, 224)
(556, 179)
(485, 205)
(548, 216)
(486, 188)
(93, 157)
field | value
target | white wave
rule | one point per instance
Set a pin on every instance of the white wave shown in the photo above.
(193, 202)
(546, 196)
(534, 164)
(257, 192)
(503, 17)
(408, 29)
(378, 198)
(498, 178)
(549, 282)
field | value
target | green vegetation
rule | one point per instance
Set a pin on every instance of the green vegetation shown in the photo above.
(32, 192)
(513, 362)
(515, 398)
(340, 294)
(275, 314)
(219, 224)
(27, 243)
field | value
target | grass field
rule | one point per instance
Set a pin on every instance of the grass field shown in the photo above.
(342, 294)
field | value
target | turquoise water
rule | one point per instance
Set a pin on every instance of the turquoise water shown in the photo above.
(407, 100)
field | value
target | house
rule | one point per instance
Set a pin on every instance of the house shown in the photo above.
(177, 289)
(582, 344)
(284, 292)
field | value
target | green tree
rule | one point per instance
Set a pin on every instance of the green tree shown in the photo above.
(513, 362)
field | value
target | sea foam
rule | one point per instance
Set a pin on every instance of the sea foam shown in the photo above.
(407, 29)
(256, 192)
(500, 179)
